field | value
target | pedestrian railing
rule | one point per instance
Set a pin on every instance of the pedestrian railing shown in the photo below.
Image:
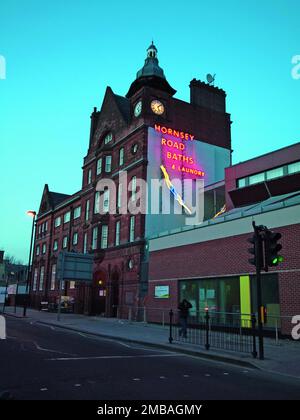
(216, 330)
(235, 332)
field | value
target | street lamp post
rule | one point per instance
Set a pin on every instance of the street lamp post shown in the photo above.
(32, 214)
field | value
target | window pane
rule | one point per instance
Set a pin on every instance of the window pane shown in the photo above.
(107, 163)
(133, 187)
(77, 212)
(241, 182)
(118, 233)
(104, 236)
(119, 204)
(99, 166)
(131, 234)
(67, 217)
(106, 201)
(42, 278)
(35, 279)
(108, 138)
(255, 179)
(95, 238)
(274, 173)
(87, 210)
(89, 176)
(121, 156)
(75, 238)
(294, 167)
(97, 202)
(53, 276)
(85, 243)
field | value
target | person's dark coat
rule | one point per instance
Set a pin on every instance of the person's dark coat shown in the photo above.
(184, 308)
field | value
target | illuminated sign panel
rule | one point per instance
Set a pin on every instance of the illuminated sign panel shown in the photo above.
(176, 156)
(162, 292)
(178, 152)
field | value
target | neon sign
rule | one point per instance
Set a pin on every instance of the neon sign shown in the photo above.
(223, 210)
(175, 133)
(177, 156)
(173, 190)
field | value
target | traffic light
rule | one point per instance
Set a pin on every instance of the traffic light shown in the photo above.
(272, 247)
(251, 251)
(255, 251)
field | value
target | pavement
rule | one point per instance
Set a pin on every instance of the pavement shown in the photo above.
(281, 358)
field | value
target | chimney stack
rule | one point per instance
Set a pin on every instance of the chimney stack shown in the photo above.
(207, 96)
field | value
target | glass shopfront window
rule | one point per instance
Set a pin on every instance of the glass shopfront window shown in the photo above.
(229, 296)
(218, 294)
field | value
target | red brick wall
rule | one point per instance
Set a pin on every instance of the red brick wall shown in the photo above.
(225, 257)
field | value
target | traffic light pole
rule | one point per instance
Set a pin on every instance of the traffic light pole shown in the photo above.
(259, 245)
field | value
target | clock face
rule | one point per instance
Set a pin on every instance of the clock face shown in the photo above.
(138, 109)
(157, 107)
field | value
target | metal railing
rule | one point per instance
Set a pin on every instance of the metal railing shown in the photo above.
(227, 331)
(222, 330)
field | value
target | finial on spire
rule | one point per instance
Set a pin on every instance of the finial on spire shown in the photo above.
(152, 51)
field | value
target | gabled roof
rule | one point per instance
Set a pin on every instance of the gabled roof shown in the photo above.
(124, 106)
(56, 198)
(50, 200)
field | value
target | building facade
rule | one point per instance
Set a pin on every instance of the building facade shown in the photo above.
(208, 264)
(146, 134)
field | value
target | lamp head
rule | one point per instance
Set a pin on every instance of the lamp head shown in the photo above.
(31, 213)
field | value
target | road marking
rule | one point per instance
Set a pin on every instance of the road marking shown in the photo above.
(82, 334)
(77, 385)
(51, 351)
(162, 377)
(186, 376)
(225, 373)
(113, 357)
(136, 379)
(207, 374)
(44, 389)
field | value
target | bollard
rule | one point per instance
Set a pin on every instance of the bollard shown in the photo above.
(207, 329)
(253, 323)
(171, 324)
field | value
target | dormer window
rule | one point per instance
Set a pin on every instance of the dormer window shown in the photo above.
(108, 138)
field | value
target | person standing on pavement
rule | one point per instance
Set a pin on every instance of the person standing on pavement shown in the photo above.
(184, 308)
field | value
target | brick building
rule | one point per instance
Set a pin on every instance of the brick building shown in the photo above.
(208, 264)
(126, 136)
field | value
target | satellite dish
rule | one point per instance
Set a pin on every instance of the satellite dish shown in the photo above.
(210, 79)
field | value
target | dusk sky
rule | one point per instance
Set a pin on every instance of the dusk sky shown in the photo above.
(61, 55)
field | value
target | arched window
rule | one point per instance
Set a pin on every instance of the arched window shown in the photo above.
(108, 138)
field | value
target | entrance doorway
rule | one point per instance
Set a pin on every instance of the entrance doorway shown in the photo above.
(98, 293)
(114, 293)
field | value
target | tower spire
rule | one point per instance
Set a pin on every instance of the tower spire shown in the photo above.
(151, 74)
